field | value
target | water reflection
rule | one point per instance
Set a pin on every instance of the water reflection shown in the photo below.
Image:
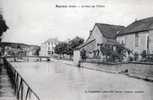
(56, 81)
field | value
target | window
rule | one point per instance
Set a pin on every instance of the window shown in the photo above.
(136, 40)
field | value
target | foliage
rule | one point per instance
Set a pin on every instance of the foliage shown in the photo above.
(83, 54)
(67, 48)
(37, 50)
(112, 55)
(3, 26)
(149, 57)
(144, 54)
(72, 44)
(130, 58)
(105, 50)
(136, 55)
(61, 48)
(75, 42)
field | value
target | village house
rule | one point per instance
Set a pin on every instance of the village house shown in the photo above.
(101, 34)
(47, 48)
(138, 36)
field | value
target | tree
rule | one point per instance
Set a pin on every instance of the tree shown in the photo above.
(106, 51)
(36, 51)
(83, 54)
(144, 54)
(3, 26)
(61, 48)
(112, 55)
(73, 44)
(76, 42)
(67, 48)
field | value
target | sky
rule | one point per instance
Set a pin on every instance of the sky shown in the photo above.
(34, 21)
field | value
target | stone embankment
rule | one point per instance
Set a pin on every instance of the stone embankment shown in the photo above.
(142, 71)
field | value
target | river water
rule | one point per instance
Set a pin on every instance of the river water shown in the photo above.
(58, 81)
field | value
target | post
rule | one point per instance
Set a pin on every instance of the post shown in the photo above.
(76, 57)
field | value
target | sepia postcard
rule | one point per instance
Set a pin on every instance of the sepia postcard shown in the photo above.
(76, 50)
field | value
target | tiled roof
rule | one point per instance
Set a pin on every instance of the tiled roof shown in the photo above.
(109, 31)
(138, 26)
(85, 44)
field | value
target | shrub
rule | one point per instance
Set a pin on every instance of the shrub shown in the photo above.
(136, 55)
(130, 58)
(144, 54)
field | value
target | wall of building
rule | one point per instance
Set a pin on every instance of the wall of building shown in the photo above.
(151, 41)
(127, 40)
(143, 41)
(47, 48)
(97, 35)
(130, 40)
(43, 50)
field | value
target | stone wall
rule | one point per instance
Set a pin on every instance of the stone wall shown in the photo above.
(138, 70)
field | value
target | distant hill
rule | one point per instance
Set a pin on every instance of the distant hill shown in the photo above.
(16, 45)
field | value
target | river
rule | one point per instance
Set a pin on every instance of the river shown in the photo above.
(58, 81)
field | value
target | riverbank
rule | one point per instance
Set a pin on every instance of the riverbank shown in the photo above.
(135, 70)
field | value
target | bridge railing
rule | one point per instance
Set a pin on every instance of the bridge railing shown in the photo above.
(22, 89)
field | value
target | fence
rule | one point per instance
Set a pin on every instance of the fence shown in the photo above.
(22, 90)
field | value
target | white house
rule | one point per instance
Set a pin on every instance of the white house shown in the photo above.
(138, 36)
(32, 50)
(47, 48)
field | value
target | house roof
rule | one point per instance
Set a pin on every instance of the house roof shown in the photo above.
(109, 31)
(84, 44)
(138, 26)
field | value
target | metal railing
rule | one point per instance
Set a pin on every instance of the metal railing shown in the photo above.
(22, 90)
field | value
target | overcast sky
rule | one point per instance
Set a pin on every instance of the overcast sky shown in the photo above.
(34, 21)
